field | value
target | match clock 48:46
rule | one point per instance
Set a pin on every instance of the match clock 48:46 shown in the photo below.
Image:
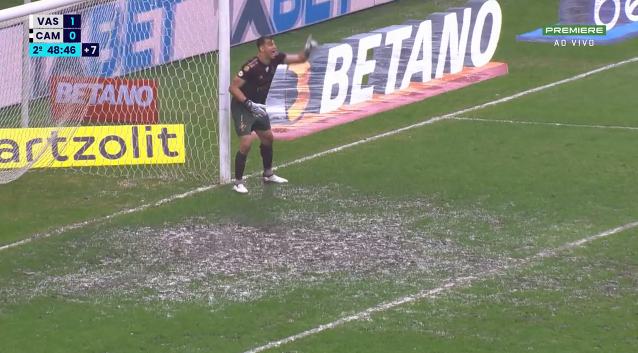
(55, 49)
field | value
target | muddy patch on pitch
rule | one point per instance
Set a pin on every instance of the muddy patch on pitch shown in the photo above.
(337, 237)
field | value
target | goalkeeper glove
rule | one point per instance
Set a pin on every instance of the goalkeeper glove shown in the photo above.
(258, 110)
(311, 44)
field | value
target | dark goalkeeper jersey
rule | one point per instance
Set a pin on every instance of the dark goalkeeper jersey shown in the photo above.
(258, 77)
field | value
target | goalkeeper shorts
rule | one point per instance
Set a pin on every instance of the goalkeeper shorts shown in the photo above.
(245, 122)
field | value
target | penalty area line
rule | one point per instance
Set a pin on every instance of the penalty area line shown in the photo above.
(521, 122)
(449, 284)
(316, 155)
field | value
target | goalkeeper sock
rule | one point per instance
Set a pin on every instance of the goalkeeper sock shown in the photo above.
(240, 165)
(266, 156)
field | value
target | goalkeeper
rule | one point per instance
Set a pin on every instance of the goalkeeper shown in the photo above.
(249, 89)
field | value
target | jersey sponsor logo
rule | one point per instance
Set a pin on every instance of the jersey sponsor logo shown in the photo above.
(92, 146)
(340, 79)
(619, 16)
(104, 100)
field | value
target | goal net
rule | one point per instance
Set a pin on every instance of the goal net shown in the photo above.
(146, 106)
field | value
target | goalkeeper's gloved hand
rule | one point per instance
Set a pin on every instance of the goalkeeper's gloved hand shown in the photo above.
(258, 110)
(311, 44)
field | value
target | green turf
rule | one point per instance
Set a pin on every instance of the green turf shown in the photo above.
(487, 192)
(530, 65)
(582, 301)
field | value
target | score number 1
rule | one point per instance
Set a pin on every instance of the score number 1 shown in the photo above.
(72, 21)
(91, 49)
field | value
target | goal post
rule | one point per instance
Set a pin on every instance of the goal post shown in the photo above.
(223, 11)
(153, 104)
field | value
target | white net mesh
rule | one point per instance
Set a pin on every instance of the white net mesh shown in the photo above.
(145, 108)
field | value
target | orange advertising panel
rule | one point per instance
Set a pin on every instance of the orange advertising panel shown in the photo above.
(104, 100)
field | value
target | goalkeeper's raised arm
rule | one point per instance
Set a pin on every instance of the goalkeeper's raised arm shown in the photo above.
(249, 89)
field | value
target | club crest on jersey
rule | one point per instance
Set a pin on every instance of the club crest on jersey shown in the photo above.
(267, 69)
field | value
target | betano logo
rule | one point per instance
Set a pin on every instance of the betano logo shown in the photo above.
(104, 99)
(410, 62)
(92, 146)
(100, 93)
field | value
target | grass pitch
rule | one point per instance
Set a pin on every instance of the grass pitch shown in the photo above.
(459, 198)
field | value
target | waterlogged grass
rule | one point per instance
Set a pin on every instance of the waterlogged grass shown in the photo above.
(369, 224)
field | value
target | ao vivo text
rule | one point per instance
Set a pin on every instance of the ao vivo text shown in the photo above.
(92, 146)
(575, 43)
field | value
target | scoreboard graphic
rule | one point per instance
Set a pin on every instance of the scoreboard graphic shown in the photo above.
(58, 36)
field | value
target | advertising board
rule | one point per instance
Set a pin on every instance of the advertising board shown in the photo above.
(137, 35)
(86, 146)
(620, 17)
(105, 100)
(411, 61)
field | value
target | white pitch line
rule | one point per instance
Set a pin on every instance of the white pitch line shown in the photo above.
(317, 155)
(616, 127)
(448, 285)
